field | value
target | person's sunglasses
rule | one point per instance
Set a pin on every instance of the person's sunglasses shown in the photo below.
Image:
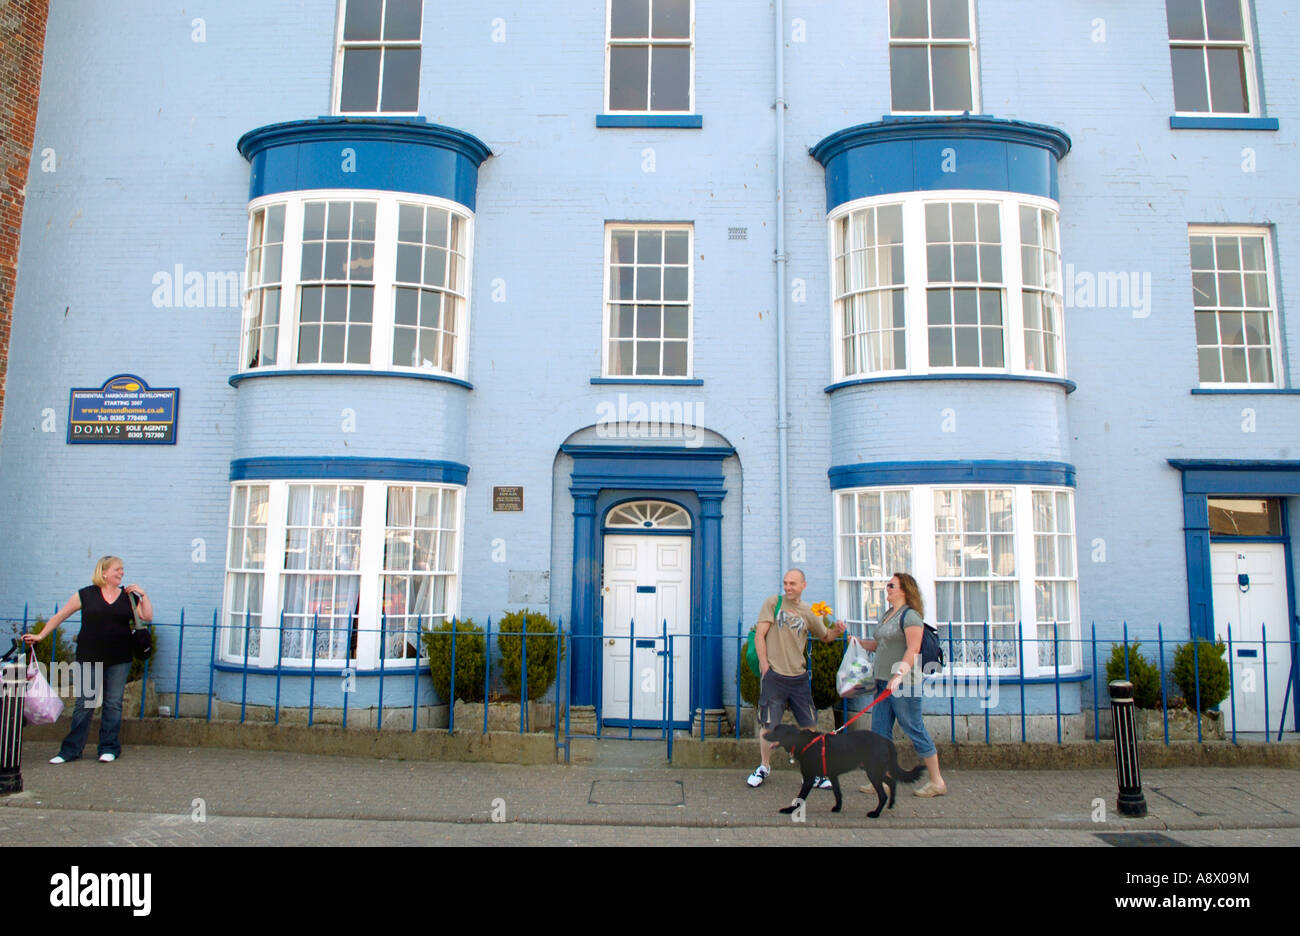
(890, 585)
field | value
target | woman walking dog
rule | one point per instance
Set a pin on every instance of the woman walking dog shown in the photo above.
(105, 638)
(898, 649)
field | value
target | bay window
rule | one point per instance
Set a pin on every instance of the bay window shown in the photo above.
(357, 281)
(339, 572)
(996, 565)
(933, 282)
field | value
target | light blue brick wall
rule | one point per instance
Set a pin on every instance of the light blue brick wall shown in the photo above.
(148, 178)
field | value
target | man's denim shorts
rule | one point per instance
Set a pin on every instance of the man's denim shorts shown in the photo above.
(777, 692)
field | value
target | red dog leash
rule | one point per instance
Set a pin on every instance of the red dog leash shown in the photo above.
(822, 737)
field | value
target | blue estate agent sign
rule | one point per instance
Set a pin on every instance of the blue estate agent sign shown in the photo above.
(126, 411)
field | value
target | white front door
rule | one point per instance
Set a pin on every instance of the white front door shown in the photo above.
(1249, 608)
(647, 588)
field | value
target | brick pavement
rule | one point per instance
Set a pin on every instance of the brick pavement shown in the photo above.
(45, 827)
(150, 794)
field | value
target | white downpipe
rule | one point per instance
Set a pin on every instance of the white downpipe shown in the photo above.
(782, 422)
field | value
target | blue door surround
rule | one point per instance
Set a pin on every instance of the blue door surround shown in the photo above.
(1203, 479)
(606, 475)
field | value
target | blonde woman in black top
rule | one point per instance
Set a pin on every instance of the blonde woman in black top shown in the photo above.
(104, 641)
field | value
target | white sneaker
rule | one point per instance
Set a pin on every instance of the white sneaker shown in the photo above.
(57, 759)
(107, 758)
(758, 776)
(823, 783)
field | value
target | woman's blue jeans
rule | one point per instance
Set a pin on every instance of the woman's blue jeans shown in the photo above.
(108, 689)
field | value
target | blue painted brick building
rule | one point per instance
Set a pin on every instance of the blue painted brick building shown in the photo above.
(475, 309)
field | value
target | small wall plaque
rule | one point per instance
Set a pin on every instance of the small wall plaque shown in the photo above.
(509, 498)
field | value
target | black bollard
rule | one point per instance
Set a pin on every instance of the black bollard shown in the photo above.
(1131, 802)
(13, 680)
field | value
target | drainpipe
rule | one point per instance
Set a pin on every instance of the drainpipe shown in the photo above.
(782, 422)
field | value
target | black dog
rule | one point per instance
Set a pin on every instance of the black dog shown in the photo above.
(846, 751)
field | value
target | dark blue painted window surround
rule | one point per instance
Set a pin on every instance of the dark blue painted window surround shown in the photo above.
(879, 474)
(919, 154)
(686, 121)
(237, 379)
(1223, 123)
(641, 381)
(392, 154)
(290, 468)
(607, 475)
(1069, 385)
(1203, 479)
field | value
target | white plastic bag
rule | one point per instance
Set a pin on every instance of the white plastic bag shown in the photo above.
(40, 706)
(855, 673)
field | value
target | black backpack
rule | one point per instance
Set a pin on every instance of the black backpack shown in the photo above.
(931, 649)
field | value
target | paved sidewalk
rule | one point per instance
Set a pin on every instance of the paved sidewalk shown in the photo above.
(160, 789)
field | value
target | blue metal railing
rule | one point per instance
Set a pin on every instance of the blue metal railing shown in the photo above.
(669, 715)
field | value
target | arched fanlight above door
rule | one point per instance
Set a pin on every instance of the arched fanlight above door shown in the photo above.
(648, 515)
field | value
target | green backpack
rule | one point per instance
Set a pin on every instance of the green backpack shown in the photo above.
(751, 651)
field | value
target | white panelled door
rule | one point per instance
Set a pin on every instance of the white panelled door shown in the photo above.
(647, 583)
(1262, 601)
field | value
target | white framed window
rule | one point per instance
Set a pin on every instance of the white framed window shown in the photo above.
(320, 588)
(359, 565)
(265, 266)
(648, 515)
(1233, 299)
(1056, 576)
(373, 281)
(970, 549)
(421, 550)
(945, 283)
(430, 286)
(648, 290)
(932, 62)
(245, 564)
(1211, 55)
(650, 56)
(875, 541)
(336, 295)
(976, 581)
(870, 297)
(1041, 301)
(377, 62)
(964, 295)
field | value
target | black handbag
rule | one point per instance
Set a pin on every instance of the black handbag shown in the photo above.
(141, 636)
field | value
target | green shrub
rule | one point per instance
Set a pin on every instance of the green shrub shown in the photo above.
(471, 660)
(825, 664)
(543, 652)
(1213, 670)
(1144, 675)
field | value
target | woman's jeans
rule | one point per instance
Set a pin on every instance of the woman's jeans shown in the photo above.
(907, 709)
(108, 690)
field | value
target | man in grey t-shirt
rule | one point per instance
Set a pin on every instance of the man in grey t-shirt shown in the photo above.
(780, 640)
